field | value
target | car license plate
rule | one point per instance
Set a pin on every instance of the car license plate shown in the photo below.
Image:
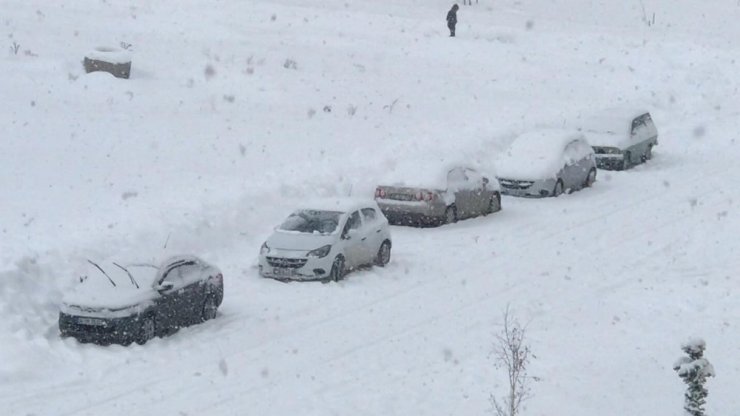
(91, 321)
(283, 272)
(401, 197)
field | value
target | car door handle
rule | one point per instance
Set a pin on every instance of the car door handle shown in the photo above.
(377, 231)
(364, 238)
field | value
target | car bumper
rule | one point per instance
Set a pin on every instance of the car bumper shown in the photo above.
(413, 213)
(281, 266)
(537, 189)
(99, 330)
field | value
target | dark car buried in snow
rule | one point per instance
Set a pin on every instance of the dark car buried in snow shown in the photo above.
(123, 303)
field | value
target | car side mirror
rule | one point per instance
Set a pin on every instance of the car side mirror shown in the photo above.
(165, 286)
(485, 181)
(349, 234)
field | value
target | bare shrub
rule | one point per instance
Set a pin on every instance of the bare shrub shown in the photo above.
(512, 354)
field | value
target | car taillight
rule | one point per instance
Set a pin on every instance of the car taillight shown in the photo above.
(379, 193)
(424, 196)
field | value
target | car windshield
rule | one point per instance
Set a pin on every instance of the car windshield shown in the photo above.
(312, 222)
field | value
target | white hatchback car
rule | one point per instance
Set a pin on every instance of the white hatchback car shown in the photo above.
(325, 240)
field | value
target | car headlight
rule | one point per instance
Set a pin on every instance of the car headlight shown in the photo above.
(320, 252)
(265, 249)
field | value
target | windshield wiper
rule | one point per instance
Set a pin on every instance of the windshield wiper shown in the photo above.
(102, 271)
(130, 276)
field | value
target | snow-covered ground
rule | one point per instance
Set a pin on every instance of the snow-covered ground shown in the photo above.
(237, 110)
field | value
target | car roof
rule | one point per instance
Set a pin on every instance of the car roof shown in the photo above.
(343, 205)
(547, 140)
(180, 258)
(536, 154)
(419, 175)
(616, 120)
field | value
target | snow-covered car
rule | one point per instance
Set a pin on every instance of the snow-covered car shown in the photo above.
(121, 303)
(462, 193)
(621, 138)
(325, 240)
(545, 163)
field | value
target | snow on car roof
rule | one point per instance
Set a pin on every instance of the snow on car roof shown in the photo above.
(611, 127)
(613, 120)
(535, 155)
(346, 204)
(94, 289)
(430, 174)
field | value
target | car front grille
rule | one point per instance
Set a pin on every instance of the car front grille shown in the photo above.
(606, 150)
(514, 184)
(285, 262)
(75, 324)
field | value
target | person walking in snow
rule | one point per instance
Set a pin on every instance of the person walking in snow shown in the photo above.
(452, 19)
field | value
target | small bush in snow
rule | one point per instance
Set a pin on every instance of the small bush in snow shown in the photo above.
(645, 18)
(694, 370)
(351, 110)
(290, 64)
(14, 48)
(512, 354)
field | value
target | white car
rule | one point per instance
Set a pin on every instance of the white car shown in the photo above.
(325, 240)
(545, 163)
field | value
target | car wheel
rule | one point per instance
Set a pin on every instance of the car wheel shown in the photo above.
(494, 204)
(451, 214)
(627, 160)
(384, 254)
(591, 178)
(559, 187)
(210, 308)
(147, 331)
(648, 154)
(337, 269)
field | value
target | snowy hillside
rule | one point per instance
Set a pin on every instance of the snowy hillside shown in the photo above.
(237, 110)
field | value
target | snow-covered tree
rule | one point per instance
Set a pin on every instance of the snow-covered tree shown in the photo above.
(694, 370)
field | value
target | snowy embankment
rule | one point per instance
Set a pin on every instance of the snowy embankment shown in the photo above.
(235, 112)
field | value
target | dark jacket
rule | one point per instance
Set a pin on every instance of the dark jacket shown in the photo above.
(452, 16)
